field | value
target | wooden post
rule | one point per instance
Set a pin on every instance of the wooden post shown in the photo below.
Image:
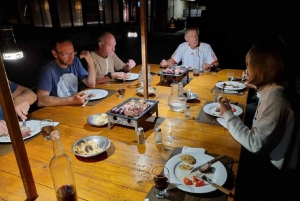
(14, 130)
(143, 17)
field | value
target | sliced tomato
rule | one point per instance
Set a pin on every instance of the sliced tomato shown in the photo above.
(187, 181)
(200, 183)
(195, 179)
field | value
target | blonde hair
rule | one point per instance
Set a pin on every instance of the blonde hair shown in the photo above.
(264, 66)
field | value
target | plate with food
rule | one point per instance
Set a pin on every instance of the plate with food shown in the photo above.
(151, 90)
(90, 146)
(131, 76)
(31, 130)
(230, 85)
(184, 172)
(213, 109)
(97, 93)
(98, 119)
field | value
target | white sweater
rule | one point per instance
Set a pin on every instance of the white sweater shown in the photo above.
(272, 127)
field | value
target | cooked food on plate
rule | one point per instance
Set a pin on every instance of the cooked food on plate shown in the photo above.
(89, 147)
(133, 108)
(26, 132)
(100, 119)
(185, 167)
(188, 159)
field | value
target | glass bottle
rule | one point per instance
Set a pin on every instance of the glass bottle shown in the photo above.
(149, 77)
(158, 136)
(61, 171)
(187, 112)
(177, 99)
(196, 63)
(140, 135)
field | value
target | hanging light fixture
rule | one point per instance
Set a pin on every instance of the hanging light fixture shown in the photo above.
(172, 20)
(9, 51)
(132, 33)
(9, 48)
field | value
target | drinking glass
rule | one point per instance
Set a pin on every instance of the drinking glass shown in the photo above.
(230, 76)
(161, 179)
(217, 94)
(46, 126)
(121, 90)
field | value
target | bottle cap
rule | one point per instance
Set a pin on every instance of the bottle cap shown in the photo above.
(140, 129)
(187, 106)
(157, 129)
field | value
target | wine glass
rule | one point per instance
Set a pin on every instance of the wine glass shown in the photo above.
(46, 126)
(161, 179)
(230, 76)
(121, 90)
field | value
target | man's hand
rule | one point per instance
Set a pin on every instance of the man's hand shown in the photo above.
(121, 75)
(206, 67)
(3, 128)
(164, 63)
(21, 106)
(131, 64)
(224, 105)
(79, 98)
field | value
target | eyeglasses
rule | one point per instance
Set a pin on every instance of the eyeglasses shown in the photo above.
(66, 54)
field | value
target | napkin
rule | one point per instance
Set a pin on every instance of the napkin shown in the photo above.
(231, 92)
(222, 122)
(186, 149)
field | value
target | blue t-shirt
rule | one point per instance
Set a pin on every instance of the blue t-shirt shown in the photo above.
(61, 82)
(13, 87)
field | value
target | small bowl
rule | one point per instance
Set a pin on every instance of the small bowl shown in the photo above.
(98, 119)
(103, 144)
(193, 96)
(151, 90)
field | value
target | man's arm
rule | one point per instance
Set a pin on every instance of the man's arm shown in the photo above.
(44, 99)
(168, 63)
(90, 80)
(23, 98)
(129, 65)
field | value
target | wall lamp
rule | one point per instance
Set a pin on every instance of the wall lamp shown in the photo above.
(9, 48)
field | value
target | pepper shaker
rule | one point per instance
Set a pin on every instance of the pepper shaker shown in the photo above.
(140, 135)
(158, 136)
(187, 112)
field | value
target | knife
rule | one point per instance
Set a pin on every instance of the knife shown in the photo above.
(220, 188)
(87, 100)
(205, 166)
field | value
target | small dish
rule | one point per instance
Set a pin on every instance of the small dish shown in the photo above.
(151, 90)
(98, 119)
(102, 143)
(193, 96)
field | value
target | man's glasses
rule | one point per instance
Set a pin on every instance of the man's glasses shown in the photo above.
(66, 54)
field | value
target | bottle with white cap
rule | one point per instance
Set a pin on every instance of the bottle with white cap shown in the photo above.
(140, 135)
(158, 136)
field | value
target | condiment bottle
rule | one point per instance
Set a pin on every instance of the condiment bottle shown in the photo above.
(158, 136)
(187, 112)
(61, 171)
(140, 135)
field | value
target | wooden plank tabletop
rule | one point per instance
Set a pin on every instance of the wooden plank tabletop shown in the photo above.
(122, 172)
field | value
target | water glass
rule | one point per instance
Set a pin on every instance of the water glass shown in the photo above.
(230, 76)
(161, 179)
(217, 94)
(46, 126)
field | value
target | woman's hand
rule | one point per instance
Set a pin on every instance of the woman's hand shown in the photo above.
(224, 105)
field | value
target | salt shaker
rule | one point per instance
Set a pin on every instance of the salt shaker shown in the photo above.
(140, 135)
(158, 136)
(187, 112)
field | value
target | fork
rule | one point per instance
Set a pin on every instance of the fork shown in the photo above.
(87, 100)
(23, 126)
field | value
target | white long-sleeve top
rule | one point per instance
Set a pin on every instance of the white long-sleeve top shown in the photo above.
(272, 127)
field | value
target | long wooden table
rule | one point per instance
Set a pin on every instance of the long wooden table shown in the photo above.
(122, 172)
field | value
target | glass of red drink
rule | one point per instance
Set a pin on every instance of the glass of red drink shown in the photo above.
(161, 179)
(121, 90)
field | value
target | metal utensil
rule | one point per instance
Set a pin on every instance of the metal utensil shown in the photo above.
(87, 100)
(23, 126)
(205, 166)
(220, 188)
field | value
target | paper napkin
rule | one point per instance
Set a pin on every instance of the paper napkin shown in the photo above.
(186, 149)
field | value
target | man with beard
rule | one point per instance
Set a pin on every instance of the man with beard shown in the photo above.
(187, 50)
(107, 63)
(58, 80)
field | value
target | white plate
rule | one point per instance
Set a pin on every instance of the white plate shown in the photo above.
(34, 126)
(239, 86)
(97, 93)
(103, 144)
(93, 121)
(211, 109)
(176, 174)
(133, 76)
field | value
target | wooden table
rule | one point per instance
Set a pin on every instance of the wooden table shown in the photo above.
(122, 172)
